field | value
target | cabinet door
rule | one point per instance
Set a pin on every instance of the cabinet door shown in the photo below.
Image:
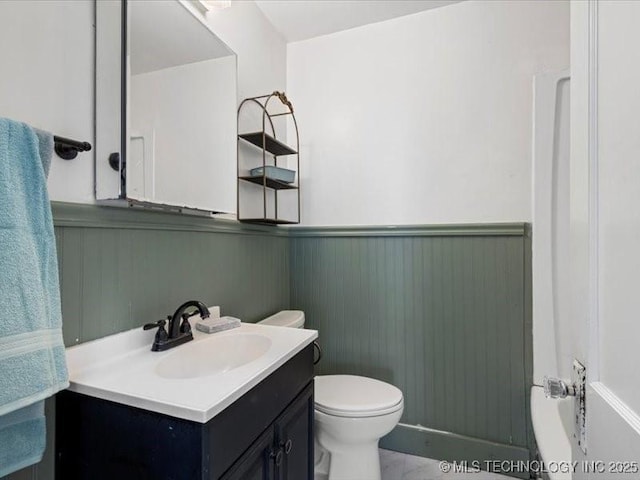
(257, 463)
(294, 438)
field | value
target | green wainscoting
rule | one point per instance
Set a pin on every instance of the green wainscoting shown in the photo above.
(120, 268)
(442, 312)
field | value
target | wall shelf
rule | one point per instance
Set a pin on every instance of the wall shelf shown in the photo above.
(271, 149)
(270, 144)
(270, 182)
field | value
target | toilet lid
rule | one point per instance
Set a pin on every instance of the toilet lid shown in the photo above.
(354, 396)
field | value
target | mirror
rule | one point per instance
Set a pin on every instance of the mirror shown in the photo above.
(173, 141)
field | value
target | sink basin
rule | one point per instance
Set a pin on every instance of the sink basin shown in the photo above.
(213, 356)
(195, 381)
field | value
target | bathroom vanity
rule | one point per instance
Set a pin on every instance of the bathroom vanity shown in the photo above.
(243, 421)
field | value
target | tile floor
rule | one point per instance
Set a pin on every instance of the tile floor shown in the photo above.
(399, 466)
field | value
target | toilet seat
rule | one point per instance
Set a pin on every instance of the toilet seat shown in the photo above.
(355, 397)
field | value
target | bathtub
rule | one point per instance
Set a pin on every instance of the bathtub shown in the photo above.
(552, 425)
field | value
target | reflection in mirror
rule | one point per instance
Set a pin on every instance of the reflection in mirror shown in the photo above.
(180, 129)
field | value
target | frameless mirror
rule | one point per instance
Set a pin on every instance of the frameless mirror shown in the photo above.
(172, 141)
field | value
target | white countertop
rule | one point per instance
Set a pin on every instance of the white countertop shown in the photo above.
(122, 368)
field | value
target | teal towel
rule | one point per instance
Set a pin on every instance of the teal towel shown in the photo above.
(32, 356)
(22, 438)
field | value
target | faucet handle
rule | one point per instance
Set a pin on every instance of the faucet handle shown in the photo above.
(159, 324)
(185, 326)
(161, 335)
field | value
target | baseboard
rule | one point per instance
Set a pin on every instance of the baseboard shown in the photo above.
(426, 442)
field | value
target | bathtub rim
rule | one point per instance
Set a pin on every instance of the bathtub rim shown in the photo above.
(552, 439)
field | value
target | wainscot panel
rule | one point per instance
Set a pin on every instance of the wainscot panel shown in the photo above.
(440, 311)
(443, 311)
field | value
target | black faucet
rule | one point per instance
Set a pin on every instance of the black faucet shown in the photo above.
(179, 326)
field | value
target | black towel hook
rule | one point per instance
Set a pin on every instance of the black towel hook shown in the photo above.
(68, 149)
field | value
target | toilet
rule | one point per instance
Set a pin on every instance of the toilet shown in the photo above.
(352, 413)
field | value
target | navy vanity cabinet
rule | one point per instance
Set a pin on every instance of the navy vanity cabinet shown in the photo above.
(294, 438)
(257, 463)
(284, 451)
(266, 434)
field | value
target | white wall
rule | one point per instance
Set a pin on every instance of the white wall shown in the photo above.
(421, 137)
(46, 80)
(47, 72)
(424, 118)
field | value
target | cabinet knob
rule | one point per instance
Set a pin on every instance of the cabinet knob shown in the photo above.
(287, 446)
(277, 457)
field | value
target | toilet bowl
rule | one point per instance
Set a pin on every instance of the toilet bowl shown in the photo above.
(352, 413)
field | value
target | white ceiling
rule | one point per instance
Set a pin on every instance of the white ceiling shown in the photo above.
(301, 19)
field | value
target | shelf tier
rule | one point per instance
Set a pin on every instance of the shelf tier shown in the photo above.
(268, 221)
(273, 146)
(271, 183)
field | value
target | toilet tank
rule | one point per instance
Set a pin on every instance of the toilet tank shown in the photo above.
(286, 318)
